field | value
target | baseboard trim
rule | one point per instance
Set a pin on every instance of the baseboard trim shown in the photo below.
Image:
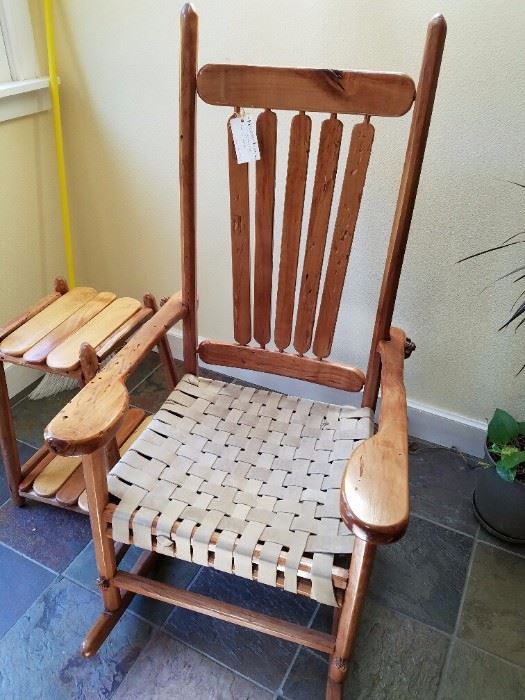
(425, 422)
(18, 378)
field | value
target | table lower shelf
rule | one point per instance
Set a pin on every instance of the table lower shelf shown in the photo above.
(59, 481)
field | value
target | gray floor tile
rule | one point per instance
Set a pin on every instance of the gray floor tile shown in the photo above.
(25, 392)
(261, 658)
(395, 658)
(24, 453)
(31, 417)
(167, 669)
(49, 535)
(423, 575)
(493, 615)
(40, 659)
(518, 549)
(475, 675)
(441, 486)
(21, 582)
(151, 394)
(146, 367)
(175, 572)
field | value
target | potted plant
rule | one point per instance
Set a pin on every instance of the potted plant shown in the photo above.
(517, 312)
(499, 497)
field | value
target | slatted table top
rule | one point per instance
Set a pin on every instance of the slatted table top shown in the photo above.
(52, 337)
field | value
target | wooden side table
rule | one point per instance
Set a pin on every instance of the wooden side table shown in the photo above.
(68, 332)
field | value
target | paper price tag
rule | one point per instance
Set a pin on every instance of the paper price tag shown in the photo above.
(245, 139)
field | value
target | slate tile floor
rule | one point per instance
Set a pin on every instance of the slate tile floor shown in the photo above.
(444, 617)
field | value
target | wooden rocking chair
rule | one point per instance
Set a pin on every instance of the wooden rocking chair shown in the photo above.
(252, 482)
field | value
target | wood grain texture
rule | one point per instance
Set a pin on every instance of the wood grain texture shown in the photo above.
(41, 350)
(56, 473)
(264, 218)
(60, 469)
(307, 89)
(108, 619)
(298, 153)
(347, 213)
(306, 368)
(374, 493)
(32, 462)
(240, 242)
(348, 623)
(89, 364)
(92, 417)
(33, 310)
(189, 25)
(8, 447)
(43, 323)
(122, 333)
(226, 612)
(95, 476)
(426, 91)
(322, 194)
(94, 332)
(68, 494)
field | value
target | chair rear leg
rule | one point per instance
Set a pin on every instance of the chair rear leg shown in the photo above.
(346, 620)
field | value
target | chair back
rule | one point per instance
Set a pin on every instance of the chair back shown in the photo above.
(303, 322)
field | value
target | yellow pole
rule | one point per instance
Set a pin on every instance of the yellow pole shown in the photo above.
(59, 140)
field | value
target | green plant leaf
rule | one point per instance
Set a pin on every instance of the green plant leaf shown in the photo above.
(502, 429)
(522, 427)
(508, 465)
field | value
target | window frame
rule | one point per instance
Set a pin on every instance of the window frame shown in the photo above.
(24, 91)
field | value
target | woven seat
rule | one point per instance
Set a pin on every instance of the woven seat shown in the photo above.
(241, 479)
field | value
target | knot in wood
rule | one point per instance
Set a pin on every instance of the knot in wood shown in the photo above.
(410, 346)
(102, 583)
(340, 663)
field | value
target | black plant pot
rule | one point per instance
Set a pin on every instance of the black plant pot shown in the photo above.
(499, 505)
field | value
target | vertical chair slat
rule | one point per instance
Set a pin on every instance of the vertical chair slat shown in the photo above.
(351, 193)
(264, 211)
(240, 238)
(298, 152)
(323, 190)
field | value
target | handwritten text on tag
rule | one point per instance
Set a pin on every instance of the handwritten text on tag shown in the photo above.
(245, 139)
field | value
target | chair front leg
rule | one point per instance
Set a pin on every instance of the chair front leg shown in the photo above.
(347, 619)
(95, 476)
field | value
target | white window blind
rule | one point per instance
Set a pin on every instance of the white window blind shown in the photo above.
(5, 71)
(18, 39)
(22, 92)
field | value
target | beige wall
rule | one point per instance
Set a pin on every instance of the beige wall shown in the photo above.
(119, 63)
(30, 227)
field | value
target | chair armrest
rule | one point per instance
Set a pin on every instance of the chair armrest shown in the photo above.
(374, 491)
(92, 417)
